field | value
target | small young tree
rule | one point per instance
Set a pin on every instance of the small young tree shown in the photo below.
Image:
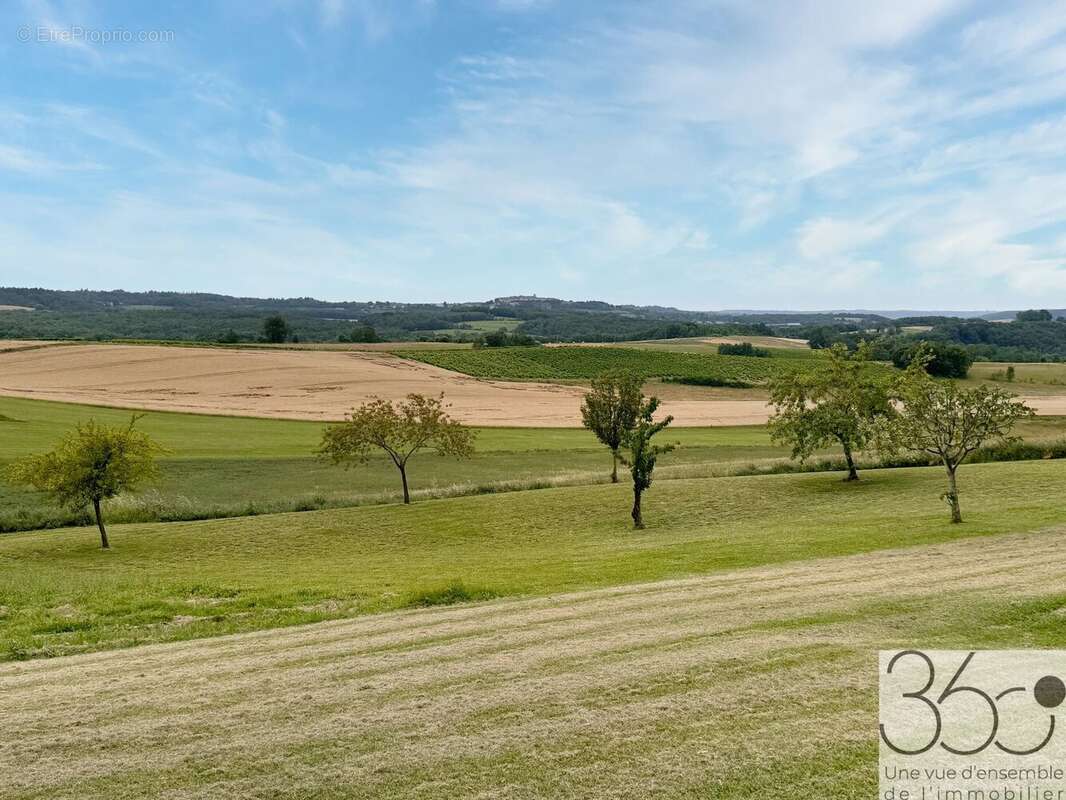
(610, 410)
(275, 329)
(401, 430)
(838, 402)
(941, 419)
(91, 464)
(642, 453)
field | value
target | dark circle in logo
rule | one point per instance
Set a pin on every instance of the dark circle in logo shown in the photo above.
(1050, 691)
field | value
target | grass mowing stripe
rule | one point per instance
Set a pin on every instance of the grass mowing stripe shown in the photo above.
(725, 717)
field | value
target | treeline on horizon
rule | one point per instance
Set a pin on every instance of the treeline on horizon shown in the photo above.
(1036, 335)
(194, 317)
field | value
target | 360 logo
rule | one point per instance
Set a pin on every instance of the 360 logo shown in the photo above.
(1049, 692)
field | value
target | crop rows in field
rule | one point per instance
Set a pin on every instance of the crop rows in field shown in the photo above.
(582, 363)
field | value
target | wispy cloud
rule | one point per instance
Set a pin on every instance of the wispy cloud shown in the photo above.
(715, 154)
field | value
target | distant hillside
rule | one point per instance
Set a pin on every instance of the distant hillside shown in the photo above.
(1009, 316)
(197, 316)
(205, 317)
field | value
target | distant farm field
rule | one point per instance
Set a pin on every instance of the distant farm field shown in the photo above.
(279, 383)
(779, 347)
(583, 363)
(312, 384)
(1028, 378)
(772, 342)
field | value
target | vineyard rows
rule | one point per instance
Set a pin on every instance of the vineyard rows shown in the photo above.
(582, 363)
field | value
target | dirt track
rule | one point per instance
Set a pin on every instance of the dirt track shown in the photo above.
(673, 689)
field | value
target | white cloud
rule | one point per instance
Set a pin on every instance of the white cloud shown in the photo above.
(827, 237)
(802, 153)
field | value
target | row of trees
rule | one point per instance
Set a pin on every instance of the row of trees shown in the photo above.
(844, 403)
(276, 330)
(94, 462)
(841, 402)
(615, 410)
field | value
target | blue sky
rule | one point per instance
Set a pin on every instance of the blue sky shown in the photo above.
(706, 155)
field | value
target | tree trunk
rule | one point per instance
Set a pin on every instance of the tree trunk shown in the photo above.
(638, 520)
(853, 474)
(100, 525)
(952, 496)
(403, 477)
(614, 465)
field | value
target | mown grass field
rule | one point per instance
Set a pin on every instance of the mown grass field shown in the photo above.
(757, 683)
(583, 363)
(161, 582)
(234, 466)
(727, 651)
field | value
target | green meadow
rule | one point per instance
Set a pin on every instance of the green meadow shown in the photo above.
(219, 466)
(162, 582)
(232, 466)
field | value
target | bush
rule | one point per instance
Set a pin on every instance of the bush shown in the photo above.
(455, 592)
(501, 338)
(1000, 376)
(948, 360)
(742, 349)
(363, 334)
(709, 381)
(1016, 450)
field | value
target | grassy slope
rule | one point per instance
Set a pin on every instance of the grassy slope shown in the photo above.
(226, 466)
(36, 425)
(60, 594)
(733, 686)
(231, 466)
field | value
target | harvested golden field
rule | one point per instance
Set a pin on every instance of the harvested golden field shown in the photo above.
(324, 384)
(728, 686)
(761, 341)
(268, 383)
(317, 385)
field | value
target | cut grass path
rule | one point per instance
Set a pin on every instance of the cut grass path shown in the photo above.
(758, 683)
(60, 594)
